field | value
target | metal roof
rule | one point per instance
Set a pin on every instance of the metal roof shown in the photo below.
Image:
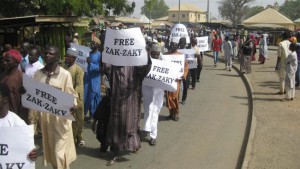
(186, 7)
(36, 20)
(268, 16)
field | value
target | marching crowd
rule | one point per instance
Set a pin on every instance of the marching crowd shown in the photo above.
(116, 114)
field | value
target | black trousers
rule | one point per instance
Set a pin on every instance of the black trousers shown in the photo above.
(199, 69)
(194, 73)
(185, 86)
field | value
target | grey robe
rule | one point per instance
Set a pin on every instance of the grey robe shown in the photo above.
(123, 126)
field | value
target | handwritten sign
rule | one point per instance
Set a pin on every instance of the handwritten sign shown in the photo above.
(179, 59)
(14, 150)
(162, 75)
(178, 31)
(45, 98)
(190, 57)
(81, 53)
(202, 43)
(125, 47)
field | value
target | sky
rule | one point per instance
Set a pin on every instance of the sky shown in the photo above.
(202, 4)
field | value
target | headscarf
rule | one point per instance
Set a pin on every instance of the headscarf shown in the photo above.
(15, 54)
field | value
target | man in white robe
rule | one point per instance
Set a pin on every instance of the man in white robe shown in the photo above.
(227, 47)
(153, 102)
(291, 68)
(283, 52)
(58, 141)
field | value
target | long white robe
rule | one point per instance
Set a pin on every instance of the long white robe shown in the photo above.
(58, 141)
(283, 52)
(291, 68)
(153, 102)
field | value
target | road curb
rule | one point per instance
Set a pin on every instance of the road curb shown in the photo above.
(246, 148)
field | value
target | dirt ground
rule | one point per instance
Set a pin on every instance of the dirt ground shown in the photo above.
(276, 140)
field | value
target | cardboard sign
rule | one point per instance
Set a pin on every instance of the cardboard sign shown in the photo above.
(178, 31)
(125, 47)
(15, 145)
(190, 57)
(81, 53)
(202, 43)
(163, 75)
(45, 98)
(179, 59)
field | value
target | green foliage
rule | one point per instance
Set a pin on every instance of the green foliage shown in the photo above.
(64, 7)
(251, 11)
(158, 9)
(233, 10)
(291, 9)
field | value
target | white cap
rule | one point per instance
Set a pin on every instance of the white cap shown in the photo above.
(75, 34)
(72, 51)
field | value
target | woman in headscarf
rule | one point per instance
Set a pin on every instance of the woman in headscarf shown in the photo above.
(252, 37)
(246, 53)
(263, 49)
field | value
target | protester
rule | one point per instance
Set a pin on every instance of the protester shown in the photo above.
(227, 53)
(31, 68)
(263, 49)
(172, 97)
(76, 38)
(8, 118)
(92, 81)
(25, 54)
(291, 68)
(216, 47)
(283, 52)
(185, 81)
(77, 80)
(245, 57)
(123, 127)
(194, 72)
(13, 77)
(298, 67)
(33, 62)
(58, 142)
(253, 39)
(153, 102)
(101, 119)
(25, 47)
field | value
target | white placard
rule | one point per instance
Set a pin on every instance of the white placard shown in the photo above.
(190, 57)
(45, 98)
(178, 31)
(81, 53)
(179, 59)
(15, 145)
(125, 47)
(202, 43)
(163, 75)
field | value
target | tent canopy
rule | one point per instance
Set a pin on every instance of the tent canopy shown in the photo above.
(270, 18)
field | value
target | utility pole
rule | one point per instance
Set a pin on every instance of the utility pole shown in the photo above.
(179, 12)
(207, 12)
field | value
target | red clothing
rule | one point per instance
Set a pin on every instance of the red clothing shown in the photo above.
(216, 44)
(14, 80)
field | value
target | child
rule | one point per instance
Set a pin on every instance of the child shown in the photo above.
(102, 116)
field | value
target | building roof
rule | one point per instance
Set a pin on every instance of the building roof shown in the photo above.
(36, 20)
(165, 18)
(186, 7)
(128, 20)
(297, 21)
(268, 16)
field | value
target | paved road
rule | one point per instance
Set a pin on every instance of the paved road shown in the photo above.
(208, 135)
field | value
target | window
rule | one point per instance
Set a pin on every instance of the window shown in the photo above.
(183, 15)
(191, 15)
(173, 15)
(198, 16)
